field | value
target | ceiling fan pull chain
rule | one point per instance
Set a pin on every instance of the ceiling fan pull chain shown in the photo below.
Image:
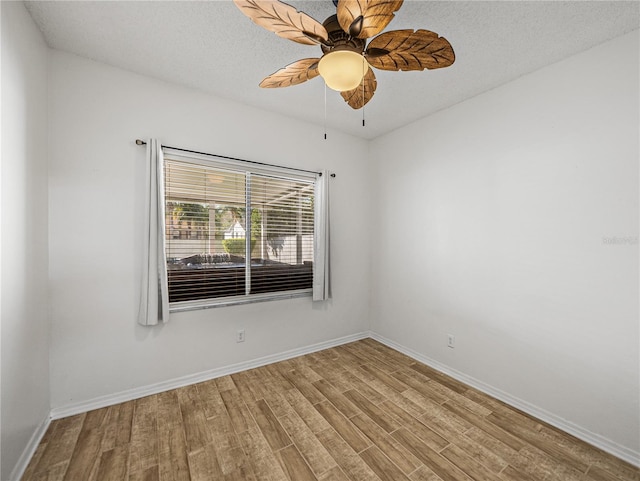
(363, 104)
(325, 111)
(364, 69)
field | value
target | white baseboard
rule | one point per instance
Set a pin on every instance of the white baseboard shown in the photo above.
(123, 396)
(29, 450)
(622, 452)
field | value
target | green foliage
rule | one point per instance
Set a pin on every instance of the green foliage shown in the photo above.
(236, 247)
(190, 212)
(256, 224)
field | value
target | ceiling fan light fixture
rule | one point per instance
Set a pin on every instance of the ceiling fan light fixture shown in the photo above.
(342, 70)
(349, 56)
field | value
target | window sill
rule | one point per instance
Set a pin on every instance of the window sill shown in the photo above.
(236, 300)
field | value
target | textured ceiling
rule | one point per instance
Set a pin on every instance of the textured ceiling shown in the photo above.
(213, 47)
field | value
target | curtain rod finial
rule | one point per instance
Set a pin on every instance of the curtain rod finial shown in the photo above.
(140, 142)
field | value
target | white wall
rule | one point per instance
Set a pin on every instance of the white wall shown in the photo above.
(23, 215)
(96, 170)
(506, 205)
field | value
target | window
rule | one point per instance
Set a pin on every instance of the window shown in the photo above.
(236, 234)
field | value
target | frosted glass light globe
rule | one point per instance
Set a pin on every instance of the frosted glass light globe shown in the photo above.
(342, 70)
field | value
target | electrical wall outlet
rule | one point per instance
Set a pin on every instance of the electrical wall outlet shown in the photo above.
(451, 341)
(240, 335)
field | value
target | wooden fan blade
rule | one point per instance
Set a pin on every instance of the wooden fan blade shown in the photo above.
(366, 18)
(355, 97)
(409, 50)
(284, 20)
(292, 74)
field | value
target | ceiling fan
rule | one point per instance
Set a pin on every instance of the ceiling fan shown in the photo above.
(347, 59)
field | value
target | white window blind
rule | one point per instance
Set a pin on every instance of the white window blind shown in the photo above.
(217, 212)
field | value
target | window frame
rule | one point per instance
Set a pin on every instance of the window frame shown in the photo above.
(247, 169)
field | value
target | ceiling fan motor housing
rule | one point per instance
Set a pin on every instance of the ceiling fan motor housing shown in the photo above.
(339, 39)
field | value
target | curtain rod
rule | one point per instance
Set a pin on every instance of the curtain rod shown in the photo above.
(142, 142)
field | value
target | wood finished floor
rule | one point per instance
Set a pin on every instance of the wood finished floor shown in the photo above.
(360, 412)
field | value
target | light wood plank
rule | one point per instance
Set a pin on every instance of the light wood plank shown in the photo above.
(423, 473)
(404, 401)
(225, 383)
(238, 411)
(382, 362)
(173, 462)
(337, 377)
(241, 468)
(542, 466)
(419, 383)
(606, 462)
(212, 402)
(491, 444)
(438, 377)
(114, 464)
(509, 473)
(306, 411)
(385, 378)
(278, 403)
(310, 448)
(336, 398)
(399, 455)
(271, 428)
(169, 416)
(386, 353)
(430, 437)
(194, 420)
(305, 387)
(354, 382)
(334, 474)
(242, 382)
(263, 460)
(531, 437)
(85, 458)
(294, 465)
(438, 416)
(149, 474)
(381, 465)
(488, 427)
(65, 434)
(226, 441)
(342, 426)
(439, 465)
(144, 444)
(358, 412)
(54, 473)
(460, 399)
(118, 425)
(349, 461)
(203, 464)
(377, 415)
(466, 463)
(476, 451)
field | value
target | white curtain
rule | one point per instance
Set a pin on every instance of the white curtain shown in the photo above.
(154, 293)
(321, 277)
